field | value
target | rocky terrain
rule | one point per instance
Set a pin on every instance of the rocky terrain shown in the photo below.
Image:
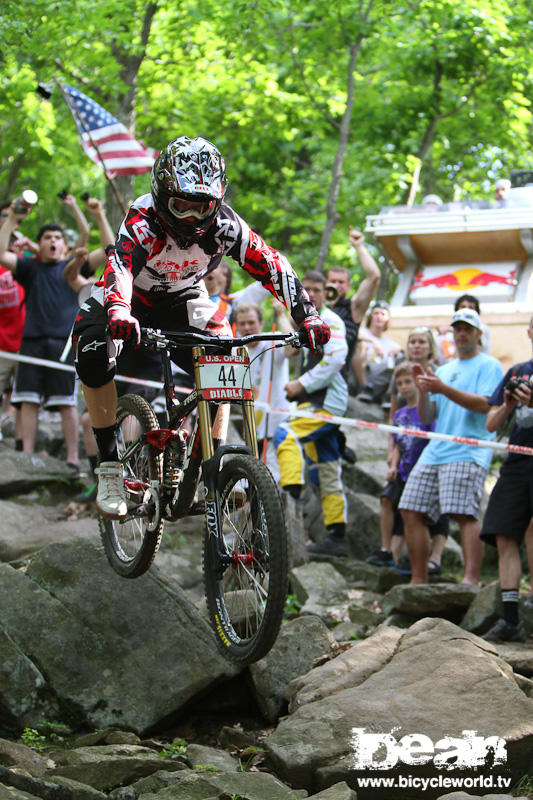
(114, 688)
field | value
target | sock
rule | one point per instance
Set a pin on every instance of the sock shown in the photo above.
(106, 439)
(510, 605)
(18, 445)
(337, 530)
(93, 463)
(294, 489)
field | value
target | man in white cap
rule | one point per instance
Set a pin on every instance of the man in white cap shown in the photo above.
(449, 477)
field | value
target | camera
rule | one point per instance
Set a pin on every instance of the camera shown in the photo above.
(62, 194)
(332, 293)
(514, 382)
(85, 196)
(25, 202)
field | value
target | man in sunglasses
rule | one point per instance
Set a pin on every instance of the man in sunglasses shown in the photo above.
(168, 242)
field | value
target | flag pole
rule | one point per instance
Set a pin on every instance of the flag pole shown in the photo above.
(74, 111)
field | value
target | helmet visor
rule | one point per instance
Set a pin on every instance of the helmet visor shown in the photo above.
(198, 209)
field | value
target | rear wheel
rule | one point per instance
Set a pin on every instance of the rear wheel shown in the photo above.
(246, 587)
(131, 544)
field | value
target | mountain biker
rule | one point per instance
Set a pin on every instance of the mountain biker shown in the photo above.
(169, 240)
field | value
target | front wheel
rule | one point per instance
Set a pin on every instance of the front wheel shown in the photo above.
(131, 544)
(246, 584)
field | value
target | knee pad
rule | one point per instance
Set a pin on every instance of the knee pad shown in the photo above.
(95, 359)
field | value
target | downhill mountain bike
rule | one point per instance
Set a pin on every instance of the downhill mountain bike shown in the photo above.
(245, 548)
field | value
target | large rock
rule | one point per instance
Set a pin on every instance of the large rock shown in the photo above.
(484, 610)
(299, 644)
(21, 472)
(472, 689)
(446, 600)
(112, 652)
(362, 527)
(26, 527)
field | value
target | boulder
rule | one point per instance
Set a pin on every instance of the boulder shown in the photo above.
(22, 472)
(366, 476)
(104, 767)
(28, 526)
(484, 610)
(446, 600)
(317, 745)
(191, 785)
(348, 669)
(96, 637)
(362, 527)
(299, 644)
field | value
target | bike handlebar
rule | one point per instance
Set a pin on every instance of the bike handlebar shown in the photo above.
(161, 339)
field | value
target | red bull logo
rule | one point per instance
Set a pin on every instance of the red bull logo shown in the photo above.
(464, 279)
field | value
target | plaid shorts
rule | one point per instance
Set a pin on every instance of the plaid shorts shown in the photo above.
(435, 489)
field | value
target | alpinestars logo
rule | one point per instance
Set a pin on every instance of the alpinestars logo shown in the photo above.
(92, 346)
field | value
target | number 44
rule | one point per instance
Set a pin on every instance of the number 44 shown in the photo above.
(226, 376)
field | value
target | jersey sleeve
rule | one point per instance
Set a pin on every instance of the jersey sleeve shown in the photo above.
(333, 358)
(266, 265)
(127, 257)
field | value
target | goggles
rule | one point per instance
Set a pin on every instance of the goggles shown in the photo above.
(199, 209)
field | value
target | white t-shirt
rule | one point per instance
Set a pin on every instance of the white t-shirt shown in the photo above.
(270, 373)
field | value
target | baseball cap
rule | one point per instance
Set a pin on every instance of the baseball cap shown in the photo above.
(468, 315)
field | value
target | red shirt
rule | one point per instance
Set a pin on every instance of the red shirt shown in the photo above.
(12, 312)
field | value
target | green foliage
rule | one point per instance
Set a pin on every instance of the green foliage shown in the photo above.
(438, 84)
(250, 760)
(524, 787)
(174, 750)
(32, 738)
(46, 735)
(292, 606)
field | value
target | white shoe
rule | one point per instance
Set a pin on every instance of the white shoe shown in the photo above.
(111, 497)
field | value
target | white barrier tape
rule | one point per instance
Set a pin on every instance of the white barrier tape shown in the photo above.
(362, 423)
(42, 362)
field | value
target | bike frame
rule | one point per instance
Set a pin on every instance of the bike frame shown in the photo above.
(202, 435)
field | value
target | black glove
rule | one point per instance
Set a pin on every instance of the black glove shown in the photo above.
(121, 324)
(314, 332)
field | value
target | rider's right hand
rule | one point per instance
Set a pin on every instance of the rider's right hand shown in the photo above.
(121, 324)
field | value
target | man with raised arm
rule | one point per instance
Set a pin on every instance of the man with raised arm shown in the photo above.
(169, 240)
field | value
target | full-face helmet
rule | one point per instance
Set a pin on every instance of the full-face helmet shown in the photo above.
(188, 185)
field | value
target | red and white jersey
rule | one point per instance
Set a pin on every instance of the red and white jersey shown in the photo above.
(146, 263)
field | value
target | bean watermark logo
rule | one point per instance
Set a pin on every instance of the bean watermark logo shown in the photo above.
(381, 751)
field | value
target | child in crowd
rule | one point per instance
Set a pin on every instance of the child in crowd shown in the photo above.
(405, 453)
(421, 349)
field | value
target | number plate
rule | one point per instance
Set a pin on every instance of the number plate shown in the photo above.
(224, 378)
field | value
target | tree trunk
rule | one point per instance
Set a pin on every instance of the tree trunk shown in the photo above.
(344, 134)
(119, 197)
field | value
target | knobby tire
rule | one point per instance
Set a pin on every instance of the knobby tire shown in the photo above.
(129, 546)
(246, 598)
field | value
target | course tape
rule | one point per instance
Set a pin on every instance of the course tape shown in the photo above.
(345, 421)
(42, 362)
(380, 426)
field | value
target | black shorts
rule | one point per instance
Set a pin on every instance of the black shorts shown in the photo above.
(510, 505)
(139, 362)
(393, 492)
(37, 384)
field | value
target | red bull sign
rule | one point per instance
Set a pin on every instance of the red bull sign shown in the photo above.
(490, 282)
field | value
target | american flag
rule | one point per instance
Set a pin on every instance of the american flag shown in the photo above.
(120, 152)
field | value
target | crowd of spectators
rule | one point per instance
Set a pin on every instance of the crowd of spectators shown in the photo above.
(443, 381)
